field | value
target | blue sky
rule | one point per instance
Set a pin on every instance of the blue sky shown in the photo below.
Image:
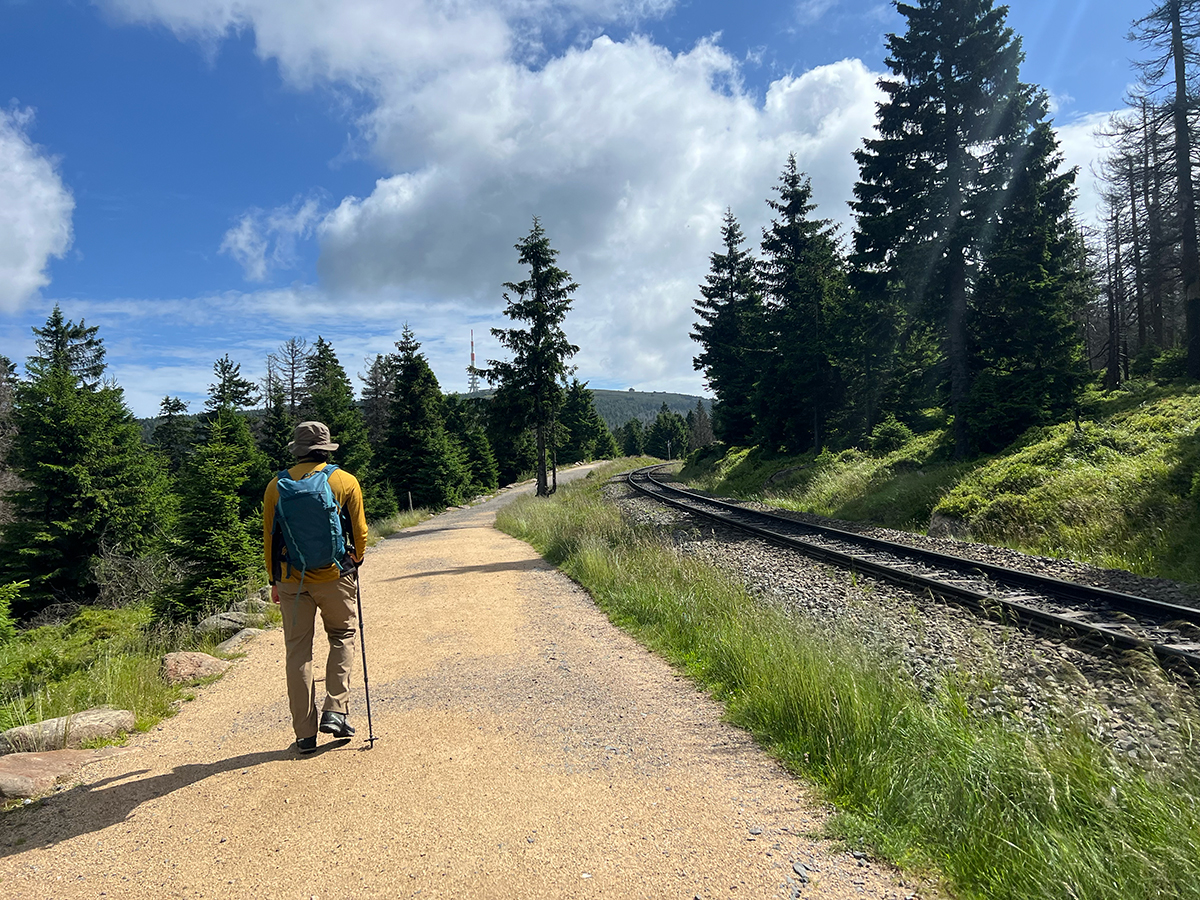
(201, 177)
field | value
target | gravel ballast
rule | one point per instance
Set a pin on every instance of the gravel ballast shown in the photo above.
(1032, 682)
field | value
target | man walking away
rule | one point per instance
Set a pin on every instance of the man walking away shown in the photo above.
(314, 536)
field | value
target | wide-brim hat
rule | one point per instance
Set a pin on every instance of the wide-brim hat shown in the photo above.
(310, 436)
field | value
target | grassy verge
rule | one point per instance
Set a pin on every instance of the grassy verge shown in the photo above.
(101, 657)
(999, 813)
(377, 531)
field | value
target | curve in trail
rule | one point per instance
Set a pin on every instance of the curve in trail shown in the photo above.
(526, 748)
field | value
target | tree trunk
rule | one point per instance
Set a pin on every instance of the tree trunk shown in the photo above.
(542, 488)
(1190, 262)
(1138, 269)
(956, 327)
(1112, 368)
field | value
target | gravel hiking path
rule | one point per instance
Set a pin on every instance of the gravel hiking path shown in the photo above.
(526, 748)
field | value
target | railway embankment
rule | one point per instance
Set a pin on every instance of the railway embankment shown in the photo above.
(1118, 489)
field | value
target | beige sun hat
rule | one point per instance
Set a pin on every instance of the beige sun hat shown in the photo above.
(310, 436)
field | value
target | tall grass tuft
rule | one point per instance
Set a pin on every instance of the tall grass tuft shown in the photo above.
(1000, 812)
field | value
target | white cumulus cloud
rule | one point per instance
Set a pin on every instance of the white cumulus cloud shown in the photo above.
(628, 152)
(35, 211)
(1082, 147)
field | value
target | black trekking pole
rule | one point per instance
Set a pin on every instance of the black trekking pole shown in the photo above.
(363, 644)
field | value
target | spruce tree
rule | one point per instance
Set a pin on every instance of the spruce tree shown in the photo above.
(512, 438)
(464, 421)
(1026, 350)
(632, 436)
(376, 395)
(540, 350)
(227, 396)
(932, 181)
(667, 435)
(89, 482)
(586, 436)
(230, 390)
(277, 426)
(700, 432)
(62, 345)
(419, 456)
(174, 432)
(730, 330)
(804, 283)
(331, 400)
(217, 541)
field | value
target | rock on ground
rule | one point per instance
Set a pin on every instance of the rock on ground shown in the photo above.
(229, 623)
(188, 666)
(234, 643)
(24, 775)
(67, 731)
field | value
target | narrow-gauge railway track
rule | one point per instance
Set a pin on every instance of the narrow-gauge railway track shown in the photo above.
(1110, 618)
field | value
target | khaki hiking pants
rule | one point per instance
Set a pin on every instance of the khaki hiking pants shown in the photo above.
(336, 602)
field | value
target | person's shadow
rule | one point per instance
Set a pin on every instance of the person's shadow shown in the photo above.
(91, 807)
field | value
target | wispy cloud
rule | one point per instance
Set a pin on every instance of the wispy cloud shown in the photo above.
(263, 242)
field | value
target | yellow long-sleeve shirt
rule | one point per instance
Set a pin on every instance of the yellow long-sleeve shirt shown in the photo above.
(349, 498)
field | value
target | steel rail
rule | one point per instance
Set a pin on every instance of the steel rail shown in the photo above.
(995, 606)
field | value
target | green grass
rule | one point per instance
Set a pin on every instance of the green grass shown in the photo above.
(382, 528)
(898, 489)
(1121, 491)
(101, 657)
(998, 812)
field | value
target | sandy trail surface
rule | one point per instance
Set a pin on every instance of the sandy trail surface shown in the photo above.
(526, 748)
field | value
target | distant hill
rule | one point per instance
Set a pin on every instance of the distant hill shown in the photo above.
(615, 407)
(618, 407)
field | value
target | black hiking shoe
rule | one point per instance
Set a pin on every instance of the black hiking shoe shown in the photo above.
(306, 745)
(335, 723)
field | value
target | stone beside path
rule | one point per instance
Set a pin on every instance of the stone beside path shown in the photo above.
(191, 666)
(26, 775)
(67, 731)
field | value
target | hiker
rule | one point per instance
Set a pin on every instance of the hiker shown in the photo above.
(321, 524)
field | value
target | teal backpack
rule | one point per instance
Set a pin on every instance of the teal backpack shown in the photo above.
(310, 520)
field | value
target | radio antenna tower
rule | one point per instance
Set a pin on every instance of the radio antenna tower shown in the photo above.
(472, 372)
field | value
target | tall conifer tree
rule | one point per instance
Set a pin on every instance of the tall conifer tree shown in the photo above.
(803, 282)
(540, 350)
(419, 455)
(932, 182)
(730, 330)
(1027, 360)
(88, 478)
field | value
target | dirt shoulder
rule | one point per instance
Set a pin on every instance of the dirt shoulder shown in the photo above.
(526, 748)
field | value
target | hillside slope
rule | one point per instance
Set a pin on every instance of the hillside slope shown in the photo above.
(1120, 489)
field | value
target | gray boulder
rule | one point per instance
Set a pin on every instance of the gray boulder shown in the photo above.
(943, 526)
(67, 731)
(231, 645)
(227, 624)
(189, 666)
